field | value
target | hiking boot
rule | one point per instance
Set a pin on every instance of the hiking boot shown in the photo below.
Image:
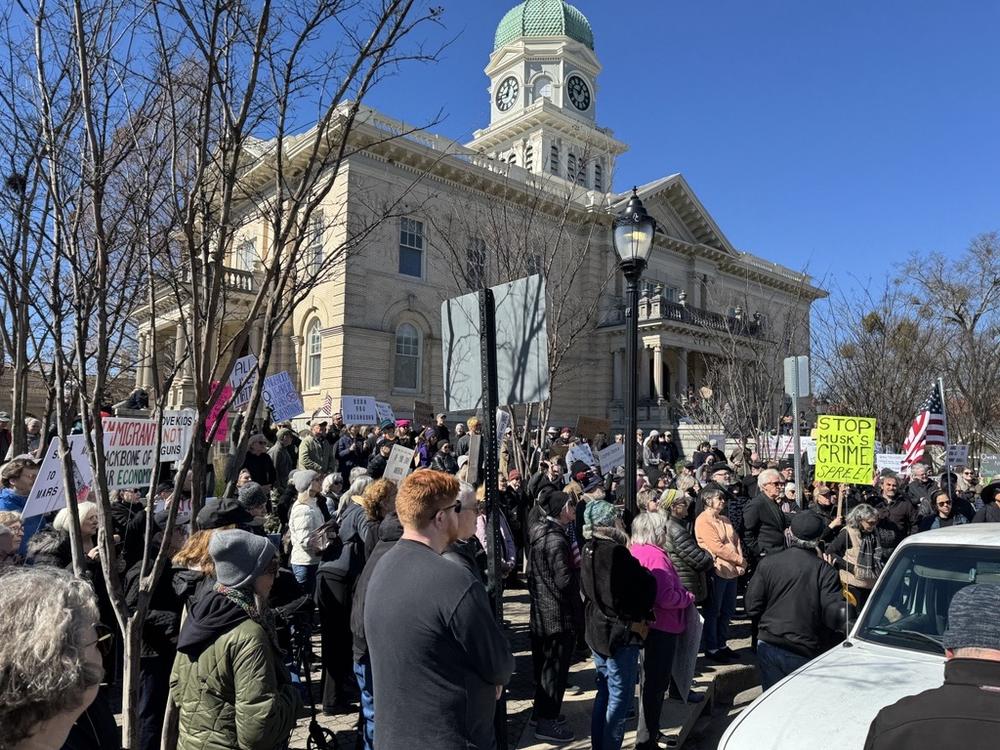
(533, 720)
(553, 731)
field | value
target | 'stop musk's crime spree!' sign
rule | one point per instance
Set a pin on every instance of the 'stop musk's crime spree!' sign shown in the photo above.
(845, 449)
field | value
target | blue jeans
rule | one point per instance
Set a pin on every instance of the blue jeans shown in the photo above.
(776, 663)
(363, 672)
(616, 680)
(719, 609)
(306, 576)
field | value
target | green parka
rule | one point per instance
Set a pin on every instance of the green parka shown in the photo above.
(236, 695)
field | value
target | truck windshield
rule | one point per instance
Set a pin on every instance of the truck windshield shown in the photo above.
(909, 607)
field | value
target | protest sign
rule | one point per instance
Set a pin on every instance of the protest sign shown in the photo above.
(958, 455)
(281, 397)
(178, 427)
(358, 410)
(219, 414)
(879, 448)
(503, 424)
(588, 427)
(398, 464)
(580, 452)
(779, 446)
(48, 493)
(989, 465)
(808, 444)
(129, 446)
(384, 411)
(845, 449)
(242, 378)
(720, 441)
(891, 461)
(423, 414)
(611, 457)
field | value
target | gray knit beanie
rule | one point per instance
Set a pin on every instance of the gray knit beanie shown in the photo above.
(303, 479)
(251, 495)
(972, 619)
(239, 556)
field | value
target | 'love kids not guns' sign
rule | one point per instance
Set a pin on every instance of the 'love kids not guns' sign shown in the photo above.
(845, 449)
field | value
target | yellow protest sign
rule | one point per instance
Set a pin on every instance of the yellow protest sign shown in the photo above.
(845, 449)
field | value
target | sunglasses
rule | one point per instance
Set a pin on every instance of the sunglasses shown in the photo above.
(945, 504)
(105, 640)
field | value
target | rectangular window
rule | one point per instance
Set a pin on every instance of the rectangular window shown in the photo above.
(411, 247)
(315, 251)
(554, 159)
(246, 254)
(598, 177)
(533, 264)
(581, 173)
(570, 167)
(475, 270)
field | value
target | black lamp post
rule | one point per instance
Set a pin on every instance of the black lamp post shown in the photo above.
(633, 239)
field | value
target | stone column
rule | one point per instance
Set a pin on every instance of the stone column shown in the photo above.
(643, 390)
(140, 362)
(682, 372)
(658, 372)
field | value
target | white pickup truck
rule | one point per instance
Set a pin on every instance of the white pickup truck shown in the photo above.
(892, 651)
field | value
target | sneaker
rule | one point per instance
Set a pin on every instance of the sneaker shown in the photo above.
(574, 690)
(553, 731)
(719, 656)
(533, 721)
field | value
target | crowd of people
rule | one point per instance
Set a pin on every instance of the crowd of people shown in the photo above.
(316, 545)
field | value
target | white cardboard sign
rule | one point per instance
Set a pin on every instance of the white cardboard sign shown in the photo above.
(128, 451)
(384, 411)
(242, 378)
(178, 427)
(281, 397)
(47, 493)
(580, 452)
(891, 461)
(358, 410)
(611, 457)
(958, 455)
(399, 463)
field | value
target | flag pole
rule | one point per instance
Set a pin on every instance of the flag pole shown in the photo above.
(947, 440)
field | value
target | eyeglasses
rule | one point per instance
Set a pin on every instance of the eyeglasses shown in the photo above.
(105, 640)
(944, 503)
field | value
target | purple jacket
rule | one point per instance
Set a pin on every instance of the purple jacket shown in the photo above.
(672, 599)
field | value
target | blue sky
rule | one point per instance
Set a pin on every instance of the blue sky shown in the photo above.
(836, 137)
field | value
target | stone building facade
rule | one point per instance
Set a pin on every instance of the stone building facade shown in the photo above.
(531, 192)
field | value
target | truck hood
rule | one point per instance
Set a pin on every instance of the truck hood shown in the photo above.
(829, 703)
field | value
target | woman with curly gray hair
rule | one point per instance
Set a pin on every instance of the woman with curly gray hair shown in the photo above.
(45, 688)
(863, 547)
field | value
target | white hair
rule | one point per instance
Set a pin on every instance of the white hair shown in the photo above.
(650, 528)
(769, 476)
(64, 518)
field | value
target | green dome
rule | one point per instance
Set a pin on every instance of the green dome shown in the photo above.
(540, 18)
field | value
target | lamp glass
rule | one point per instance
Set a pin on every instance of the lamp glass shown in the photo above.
(633, 240)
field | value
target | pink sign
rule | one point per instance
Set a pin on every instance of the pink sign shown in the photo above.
(219, 414)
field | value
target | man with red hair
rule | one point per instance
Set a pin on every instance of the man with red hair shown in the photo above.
(439, 659)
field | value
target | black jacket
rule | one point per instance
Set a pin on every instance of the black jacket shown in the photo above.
(389, 532)
(964, 712)
(618, 591)
(690, 561)
(554, 584)
(357, 535)
(163, 618)
(796, 596)
(764, 526)
(376, 466)
(989, 513)
(920, 495)
(445, 462)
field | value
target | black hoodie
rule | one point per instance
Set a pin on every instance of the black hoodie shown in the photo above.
(212, 616)
(389, 532)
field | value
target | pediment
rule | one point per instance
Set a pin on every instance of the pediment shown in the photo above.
(680, 213)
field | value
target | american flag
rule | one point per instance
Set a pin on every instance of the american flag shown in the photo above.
(928, 428)
(326, 409)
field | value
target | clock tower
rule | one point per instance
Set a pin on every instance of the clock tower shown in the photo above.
(543, 97)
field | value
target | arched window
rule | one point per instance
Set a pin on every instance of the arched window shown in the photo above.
(314, 356)
(406, 375)
(571, 166)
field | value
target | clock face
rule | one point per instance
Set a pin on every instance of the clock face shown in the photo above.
(579, 93)
(507, 93)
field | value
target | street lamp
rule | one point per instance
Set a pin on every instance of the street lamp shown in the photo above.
(633, 239)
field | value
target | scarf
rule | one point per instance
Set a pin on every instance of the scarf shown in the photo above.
(869, 557)
(247, 604)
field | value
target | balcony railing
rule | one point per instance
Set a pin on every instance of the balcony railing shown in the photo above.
(233, 280)
(654, 307)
